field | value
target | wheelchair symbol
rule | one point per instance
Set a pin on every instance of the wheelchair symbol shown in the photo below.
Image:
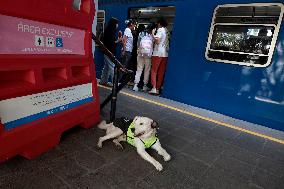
(59, 42)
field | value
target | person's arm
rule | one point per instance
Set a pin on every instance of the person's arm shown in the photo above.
(138, 40)
(157, 37)
(119, 38)
(124, 44)
(157, 40)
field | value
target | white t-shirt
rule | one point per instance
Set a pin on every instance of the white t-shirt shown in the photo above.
(129, 41)
(161, 49)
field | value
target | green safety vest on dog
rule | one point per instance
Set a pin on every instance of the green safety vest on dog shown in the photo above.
(130, 138)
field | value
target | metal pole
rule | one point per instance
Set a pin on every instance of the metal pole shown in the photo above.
(121, 86)
(114, 94)
(115, 88)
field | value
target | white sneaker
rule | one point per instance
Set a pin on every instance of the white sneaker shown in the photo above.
(135, 88)
(153, 91)
(145, 88)
(109, 84)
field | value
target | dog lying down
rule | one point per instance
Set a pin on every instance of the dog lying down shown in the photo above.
(139, 132)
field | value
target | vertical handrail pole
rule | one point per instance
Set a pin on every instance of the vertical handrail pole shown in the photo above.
(114, 94)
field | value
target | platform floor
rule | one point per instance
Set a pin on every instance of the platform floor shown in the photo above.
(204, 155)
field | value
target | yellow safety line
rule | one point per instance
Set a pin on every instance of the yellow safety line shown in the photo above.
(201, 117)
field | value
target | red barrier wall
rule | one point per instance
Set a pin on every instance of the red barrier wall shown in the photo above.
(47, 74)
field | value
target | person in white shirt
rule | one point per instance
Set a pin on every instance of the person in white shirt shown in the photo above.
(145, 50)
(127, 46)
(160, 56)
(127, 42)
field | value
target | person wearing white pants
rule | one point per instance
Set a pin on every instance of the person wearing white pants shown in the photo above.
(142, 62)
(145, 49)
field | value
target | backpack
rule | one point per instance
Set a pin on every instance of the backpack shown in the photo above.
(146, 46)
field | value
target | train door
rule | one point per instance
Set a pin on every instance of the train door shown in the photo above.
(146, 16)
(100, 23)
(99, 58)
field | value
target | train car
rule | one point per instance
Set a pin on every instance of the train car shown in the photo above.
(226, 56)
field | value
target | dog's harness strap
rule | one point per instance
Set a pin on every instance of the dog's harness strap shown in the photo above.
(142, 141)
(154, 142)
(150, 142)
(147, 143)
(130, 135)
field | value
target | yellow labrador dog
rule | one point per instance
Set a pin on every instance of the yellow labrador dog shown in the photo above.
(140, 132)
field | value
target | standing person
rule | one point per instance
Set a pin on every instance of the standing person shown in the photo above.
(145, 50)
(160, 56)
(127, 43)
(133, 61)
(110, 41)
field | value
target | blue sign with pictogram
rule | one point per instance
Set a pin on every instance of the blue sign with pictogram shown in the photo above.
(59, 42)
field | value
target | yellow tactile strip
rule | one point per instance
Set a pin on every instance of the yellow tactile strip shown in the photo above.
(200, 117)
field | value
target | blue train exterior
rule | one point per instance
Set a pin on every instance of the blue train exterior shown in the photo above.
(191, 79)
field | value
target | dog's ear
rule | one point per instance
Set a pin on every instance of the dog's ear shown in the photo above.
(154, 124)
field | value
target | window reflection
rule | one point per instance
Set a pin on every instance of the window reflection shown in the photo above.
(238, 38)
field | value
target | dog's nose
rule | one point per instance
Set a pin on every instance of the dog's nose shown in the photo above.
(132, 130)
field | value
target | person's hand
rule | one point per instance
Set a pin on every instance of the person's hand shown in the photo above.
(123, 52)
(120, 34)
(119, 40)
(154, 31)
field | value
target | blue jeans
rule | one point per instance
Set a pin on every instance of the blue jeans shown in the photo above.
(126, 60)
(107, 71)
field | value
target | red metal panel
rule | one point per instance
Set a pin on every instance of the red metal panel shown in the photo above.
(26, 75)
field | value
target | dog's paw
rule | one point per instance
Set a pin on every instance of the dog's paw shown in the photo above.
(119, 146)
(159, 166)
(167, 158)
(100, 144)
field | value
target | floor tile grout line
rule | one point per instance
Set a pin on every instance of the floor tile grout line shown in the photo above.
(87, 169)
(265, 170)
(143, 179)
(79, 165)
(60, 178)
(205, 172)
(263, 147)
(188, 155)
(249, 179)
(254, 169)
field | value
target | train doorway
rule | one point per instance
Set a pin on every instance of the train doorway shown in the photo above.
(148, 16)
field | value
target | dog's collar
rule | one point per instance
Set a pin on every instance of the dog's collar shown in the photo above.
(140, 134)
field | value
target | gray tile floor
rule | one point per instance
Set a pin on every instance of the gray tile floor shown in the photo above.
(204, 155)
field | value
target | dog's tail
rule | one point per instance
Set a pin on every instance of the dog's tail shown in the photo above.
(103, 125)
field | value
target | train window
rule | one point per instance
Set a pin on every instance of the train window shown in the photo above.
(244, 34)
